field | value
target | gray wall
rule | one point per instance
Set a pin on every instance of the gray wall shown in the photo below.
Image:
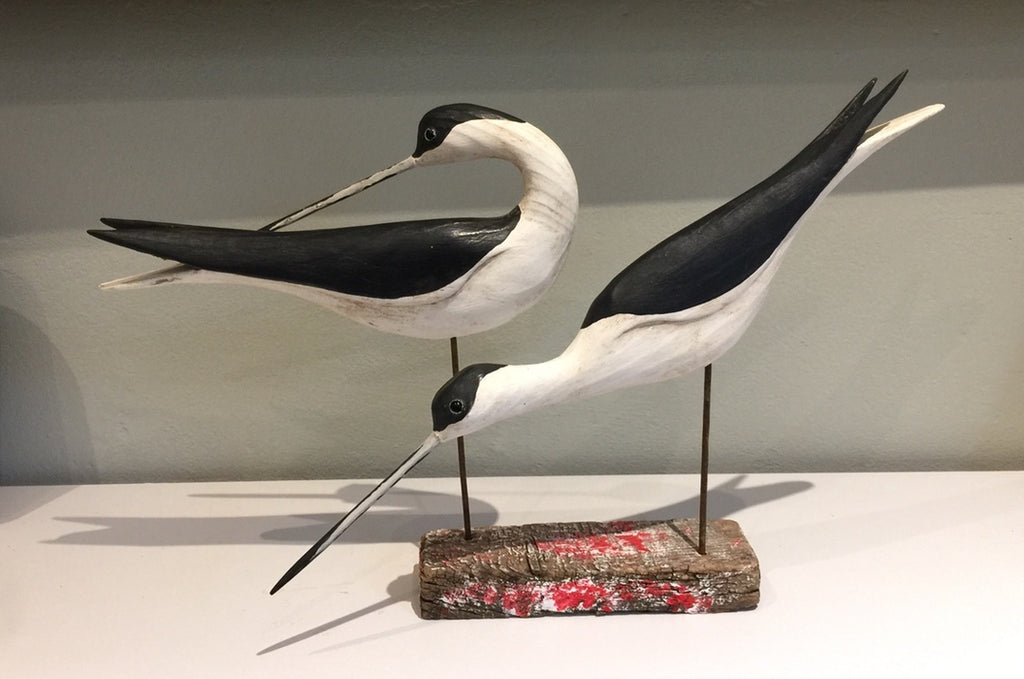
(893, 337)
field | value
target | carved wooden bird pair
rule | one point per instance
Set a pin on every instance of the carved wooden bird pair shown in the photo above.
(679, 307)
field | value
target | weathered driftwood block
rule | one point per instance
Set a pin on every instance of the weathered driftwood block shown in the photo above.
(564, 568)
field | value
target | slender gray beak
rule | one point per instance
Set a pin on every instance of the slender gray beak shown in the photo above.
(357, 511)
(344, 193)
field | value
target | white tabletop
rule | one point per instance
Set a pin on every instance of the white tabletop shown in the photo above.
(917, 574)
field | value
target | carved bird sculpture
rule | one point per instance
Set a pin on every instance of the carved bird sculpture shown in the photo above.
(431, 278)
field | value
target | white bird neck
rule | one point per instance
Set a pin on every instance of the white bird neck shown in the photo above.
(550, 194)
(516, 389)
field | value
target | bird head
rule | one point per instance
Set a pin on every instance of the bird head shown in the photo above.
(454, 415)
(447, 134)
(455, 408)
(457, 132)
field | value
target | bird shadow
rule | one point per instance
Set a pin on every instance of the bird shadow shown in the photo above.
(402, 516)
(725, 499)
(401, 589)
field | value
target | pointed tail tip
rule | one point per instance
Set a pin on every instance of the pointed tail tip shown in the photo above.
(176, 273)
(126, 283)
(928, 111)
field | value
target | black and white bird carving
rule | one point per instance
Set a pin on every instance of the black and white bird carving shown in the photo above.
(434, 278)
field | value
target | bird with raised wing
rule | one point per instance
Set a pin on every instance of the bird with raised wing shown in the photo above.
(433, 278)
(677, 308)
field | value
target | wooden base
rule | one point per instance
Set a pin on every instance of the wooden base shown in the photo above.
(597, 568)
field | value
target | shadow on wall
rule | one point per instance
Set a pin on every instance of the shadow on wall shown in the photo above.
(44, 437)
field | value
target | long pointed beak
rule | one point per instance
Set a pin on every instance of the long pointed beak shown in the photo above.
(344, 193)
(357, 511)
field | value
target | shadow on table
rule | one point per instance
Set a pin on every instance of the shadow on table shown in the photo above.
(724, 500)
(401, 590)
(401, 516)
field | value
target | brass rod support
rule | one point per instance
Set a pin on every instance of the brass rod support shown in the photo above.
(461, 443)
(702, 541)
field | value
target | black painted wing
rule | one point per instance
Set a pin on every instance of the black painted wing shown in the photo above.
(384, 261)
(722, 249)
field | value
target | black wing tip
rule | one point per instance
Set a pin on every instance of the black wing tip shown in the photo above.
(899, 78)
(865, 91)
(862, 106)
(112, 236)
(118, 223)
(129, 224)
(886, 92)
(125, 237)
(103, 234)
(891, 85)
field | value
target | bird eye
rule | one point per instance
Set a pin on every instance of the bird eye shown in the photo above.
(429, 134)
(456, 406)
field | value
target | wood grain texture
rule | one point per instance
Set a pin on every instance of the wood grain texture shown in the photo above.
(579, 568)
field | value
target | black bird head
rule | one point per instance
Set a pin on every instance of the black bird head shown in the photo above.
(453, 403)
(437, 124)
(435, 128)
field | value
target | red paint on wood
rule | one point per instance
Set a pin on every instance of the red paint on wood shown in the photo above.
(580, 596)
(626, 540)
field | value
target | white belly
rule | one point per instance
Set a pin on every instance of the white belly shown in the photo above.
(628, 350)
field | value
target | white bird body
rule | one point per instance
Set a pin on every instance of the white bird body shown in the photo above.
(503, 282)
(619, 352)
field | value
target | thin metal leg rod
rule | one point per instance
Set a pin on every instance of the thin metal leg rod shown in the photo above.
(461, 443)
(702, 541)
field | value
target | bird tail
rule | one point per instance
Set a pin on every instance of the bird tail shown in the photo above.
(139, 235)
(179, 242)
(197, 250)
(878, 136)
(849, 139)
(840, 138)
